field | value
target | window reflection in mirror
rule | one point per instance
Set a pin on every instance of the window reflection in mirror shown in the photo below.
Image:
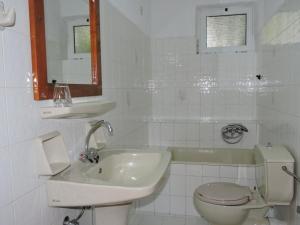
(82, 44)
(68, 42)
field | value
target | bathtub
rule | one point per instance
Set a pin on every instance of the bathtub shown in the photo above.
(192, 167)
(213, 156)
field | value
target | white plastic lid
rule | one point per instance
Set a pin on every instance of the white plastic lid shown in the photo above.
(275, 154)
(52, 155)
(223, 193)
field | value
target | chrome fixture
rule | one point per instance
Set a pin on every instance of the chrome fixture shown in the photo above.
(285, 169)
(233, 133)
(67, 220)
(91, 154)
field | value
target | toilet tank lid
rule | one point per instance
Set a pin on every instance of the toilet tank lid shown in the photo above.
(275, 154)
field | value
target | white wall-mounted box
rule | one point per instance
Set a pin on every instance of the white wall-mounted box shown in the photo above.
(52, 155)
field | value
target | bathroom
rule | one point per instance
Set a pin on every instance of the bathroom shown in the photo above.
(169, 90)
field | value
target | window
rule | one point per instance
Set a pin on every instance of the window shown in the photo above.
(79, 38)
(82, 43)
(224, 29)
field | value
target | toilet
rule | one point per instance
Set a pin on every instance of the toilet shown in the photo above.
(223, 203)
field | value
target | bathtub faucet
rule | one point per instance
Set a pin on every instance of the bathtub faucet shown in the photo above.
(233, 133)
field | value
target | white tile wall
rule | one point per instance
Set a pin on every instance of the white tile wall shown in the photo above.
(126, 67)
(183, 88)
(126, 58)
(192, 89)
(194, 96)
(278, 101)
(175, 196)
(201, 86)
(197, 133)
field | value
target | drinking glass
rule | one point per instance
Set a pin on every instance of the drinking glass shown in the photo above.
(62, 96)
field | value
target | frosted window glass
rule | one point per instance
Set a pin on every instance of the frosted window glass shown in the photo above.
(82, 39)
(226, 31)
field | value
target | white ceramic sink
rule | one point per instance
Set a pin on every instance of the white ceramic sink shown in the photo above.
(121, 177)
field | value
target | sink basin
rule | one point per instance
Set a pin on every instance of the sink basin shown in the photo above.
(121, 177)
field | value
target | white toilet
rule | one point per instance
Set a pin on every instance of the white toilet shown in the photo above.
(232, 204)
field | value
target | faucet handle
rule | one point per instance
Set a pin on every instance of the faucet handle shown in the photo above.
(83, 157)
(91, 156)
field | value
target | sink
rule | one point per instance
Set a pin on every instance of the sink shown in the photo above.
(119, 178)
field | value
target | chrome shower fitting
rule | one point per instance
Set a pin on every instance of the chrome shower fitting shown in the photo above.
(233, 133)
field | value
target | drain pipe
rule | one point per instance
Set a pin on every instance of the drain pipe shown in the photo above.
(67, 220)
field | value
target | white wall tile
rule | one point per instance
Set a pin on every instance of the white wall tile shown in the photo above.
(197, 220)
(28, 215)
(167, 134)
(18, 73)
(164, 189)
(180, 132)
(2, 75)
(162, 204)
(147, 204)
(194, 170)
(24, 173)
(229, 171)
(193, 132)
(20, 111)
(192, 184)
(174, 220)
(177, 185)
(178, 206)
(211, 171)
(5, 177)
(206, 180)
(178, 169)
(150, 220)
(190, 207)
(6, 215)
(154, 132)
(3, 120)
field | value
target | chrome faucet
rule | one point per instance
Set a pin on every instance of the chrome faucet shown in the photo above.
(91, 154)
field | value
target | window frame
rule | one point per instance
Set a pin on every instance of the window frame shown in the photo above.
(71, 39)
(211, 11)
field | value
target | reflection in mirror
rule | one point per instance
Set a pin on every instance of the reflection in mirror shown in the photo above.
(68, 41)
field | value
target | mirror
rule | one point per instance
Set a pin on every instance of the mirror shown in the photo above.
(65, 42)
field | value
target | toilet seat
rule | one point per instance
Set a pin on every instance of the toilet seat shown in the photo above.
(226, 194)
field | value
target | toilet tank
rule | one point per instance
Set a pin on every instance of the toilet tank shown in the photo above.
(275, 186)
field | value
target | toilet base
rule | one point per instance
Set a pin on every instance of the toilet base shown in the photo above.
(253, 221)
(256, 217)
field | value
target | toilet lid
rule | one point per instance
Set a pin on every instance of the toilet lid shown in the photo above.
(223, 194)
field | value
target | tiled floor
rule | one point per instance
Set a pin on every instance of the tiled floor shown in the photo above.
(164, 219)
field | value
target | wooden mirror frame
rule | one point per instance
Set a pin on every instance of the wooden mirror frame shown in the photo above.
(41, 88)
